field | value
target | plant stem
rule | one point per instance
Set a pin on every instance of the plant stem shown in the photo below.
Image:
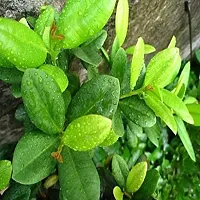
(136, 92)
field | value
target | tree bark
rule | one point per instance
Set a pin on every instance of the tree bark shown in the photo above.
(156, 21)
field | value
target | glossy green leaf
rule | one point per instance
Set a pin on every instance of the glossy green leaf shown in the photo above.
(115, 48)
(110, 139)
(87, 55)
(183, 80)
(119, 170)
(172, 43)
(32, 160)
(176, 104)
(190, 100)
(88, 52)
(117, 123)
(21, 45)
(5, 173)
(5, 63)
(87, 132)
(118, 65)
(98, 96)
(67, 98)
(44, 20)
(132, 131)
(194, 110)
(17, 192)
(161, 110)
(153, 133)
(80, 20)
(57, 74)
(118, 194)
(137, 62)
(136, 177)
(10, 75)
(184, 136)
(78, 176)
(147, 49)
(43, 101)
(137, 111)
(163, 68)
(74, 83)
(149, 185)
(121, 20)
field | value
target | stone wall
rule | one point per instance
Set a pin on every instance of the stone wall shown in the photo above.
(155, 20)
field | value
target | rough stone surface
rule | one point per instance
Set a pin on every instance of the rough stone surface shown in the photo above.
(155, 20)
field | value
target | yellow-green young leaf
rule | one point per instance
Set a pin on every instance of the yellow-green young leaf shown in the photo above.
(87, 132)
(183, 79)
(147, 49)
(137, 62)
(121, 20)
(5, 173)
(163, 68)
(20, 45)
(176, 104)
(149, 185)
(110, 139)
(80, 20)
(194, 110)
(172, 43)
(136, 177)
(161, 110)
(57, 74)
(118, 194)
(184, 136)
(78, 176)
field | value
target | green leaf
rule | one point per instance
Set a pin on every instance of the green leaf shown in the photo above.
(110, 139)
(119, 170)
(147, 49)
(87, 55)
(78, 176)
(17, 192)
(18, 41)
(16, 90)
(172, 43)
(194, 110)
(10, 75)
(161, 110)
(119, 64)
(88, 52)
(43, 101)
(118, 194)
(197, 54)
(149, 185)
(57, 74)
(163, 68)
(5, 63)
(183, 81)
(117, 123)
(87, 132)
(5, 173)
(176, 104)
(86, 18)
(121, 20)
(137, 111)
(137, 62)
(44, 20)
(67, 98)
(184, 136)
(115, 48)
(153, 133)
(136, 177)
(98, 96)
(132, 131)
(32, 160)
(74, 83)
